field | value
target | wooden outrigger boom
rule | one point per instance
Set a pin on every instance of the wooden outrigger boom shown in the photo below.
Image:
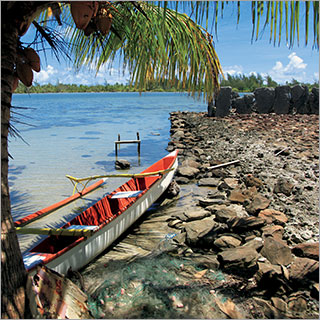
(56, 232)
(75, 181)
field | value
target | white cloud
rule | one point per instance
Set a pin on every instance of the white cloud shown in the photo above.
(232, 70)
(44, 76)
(84, 76)
(295, 69)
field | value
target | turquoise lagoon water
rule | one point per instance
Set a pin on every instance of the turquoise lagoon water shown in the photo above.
(74, 133)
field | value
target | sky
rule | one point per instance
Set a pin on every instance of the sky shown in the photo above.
(236, 53)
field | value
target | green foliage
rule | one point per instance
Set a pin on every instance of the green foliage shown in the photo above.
(163, 86)
(243, 83)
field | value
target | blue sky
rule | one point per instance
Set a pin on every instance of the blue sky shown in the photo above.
(236, 53)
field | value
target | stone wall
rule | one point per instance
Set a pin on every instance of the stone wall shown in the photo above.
(280, 100)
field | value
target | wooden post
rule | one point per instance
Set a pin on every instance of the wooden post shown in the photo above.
(118, 142)
(138, 139)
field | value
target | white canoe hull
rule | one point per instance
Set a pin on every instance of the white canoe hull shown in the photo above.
(80, 255)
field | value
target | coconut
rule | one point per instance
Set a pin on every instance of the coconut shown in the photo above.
(25, 73)
(15, 84)
(82, 13)
(32, 58)
(89, 29)
(104, 22)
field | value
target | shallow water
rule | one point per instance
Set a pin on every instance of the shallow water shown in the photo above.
(74, 133)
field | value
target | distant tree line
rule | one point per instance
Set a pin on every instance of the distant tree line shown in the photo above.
(164, 86)
(244, 83)
(240, 83)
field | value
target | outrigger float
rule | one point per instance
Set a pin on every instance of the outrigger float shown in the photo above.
(87, 235)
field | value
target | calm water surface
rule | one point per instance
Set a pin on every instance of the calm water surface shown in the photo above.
(74, 133)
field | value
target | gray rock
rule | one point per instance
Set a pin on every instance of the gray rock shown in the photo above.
(276, 251)
(245, 224)
(299, 97)
(307, 250)
(249, 99)
(282, 100)
(189, 162)
(255, 243)
(206, 202)
(223, 102)
(187, 172)
(241, 106)
(195, 230)
(197, 214)
(264, 99)
(314, 102)
(224, 214)
(122, 164)
(209, 182)
(240, 259)
(211, 109)
(258, 202)
(182, 180)
(225, 242)
(302, 269)
(173, 190)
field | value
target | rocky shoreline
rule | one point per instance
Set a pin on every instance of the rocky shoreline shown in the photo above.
(257, 217)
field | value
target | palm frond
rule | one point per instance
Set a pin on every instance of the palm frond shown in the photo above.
(167, 45)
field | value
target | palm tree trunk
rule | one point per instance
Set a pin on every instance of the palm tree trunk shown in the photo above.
(14, 301)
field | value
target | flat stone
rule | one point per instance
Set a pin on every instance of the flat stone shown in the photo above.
(197, 214)
(224, 242)
(266, 271)
(205, 202)
(223, 214)
(237, 196)
(273, 231)
(175, 224)
(256, 244)
(279, 304)
(258, 202)
(245, 223)
(187, 172)
(190, 163)
(240, 259)
(180, 238)
(209, 182)
(182, 180)
(307, 250)
(303, 268)
(273, 216)
(198, 229)
(276, 251)
(215, 194)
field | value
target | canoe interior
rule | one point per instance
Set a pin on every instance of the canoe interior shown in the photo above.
(103, 211)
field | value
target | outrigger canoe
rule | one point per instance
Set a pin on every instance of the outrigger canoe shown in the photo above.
(92, 231)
